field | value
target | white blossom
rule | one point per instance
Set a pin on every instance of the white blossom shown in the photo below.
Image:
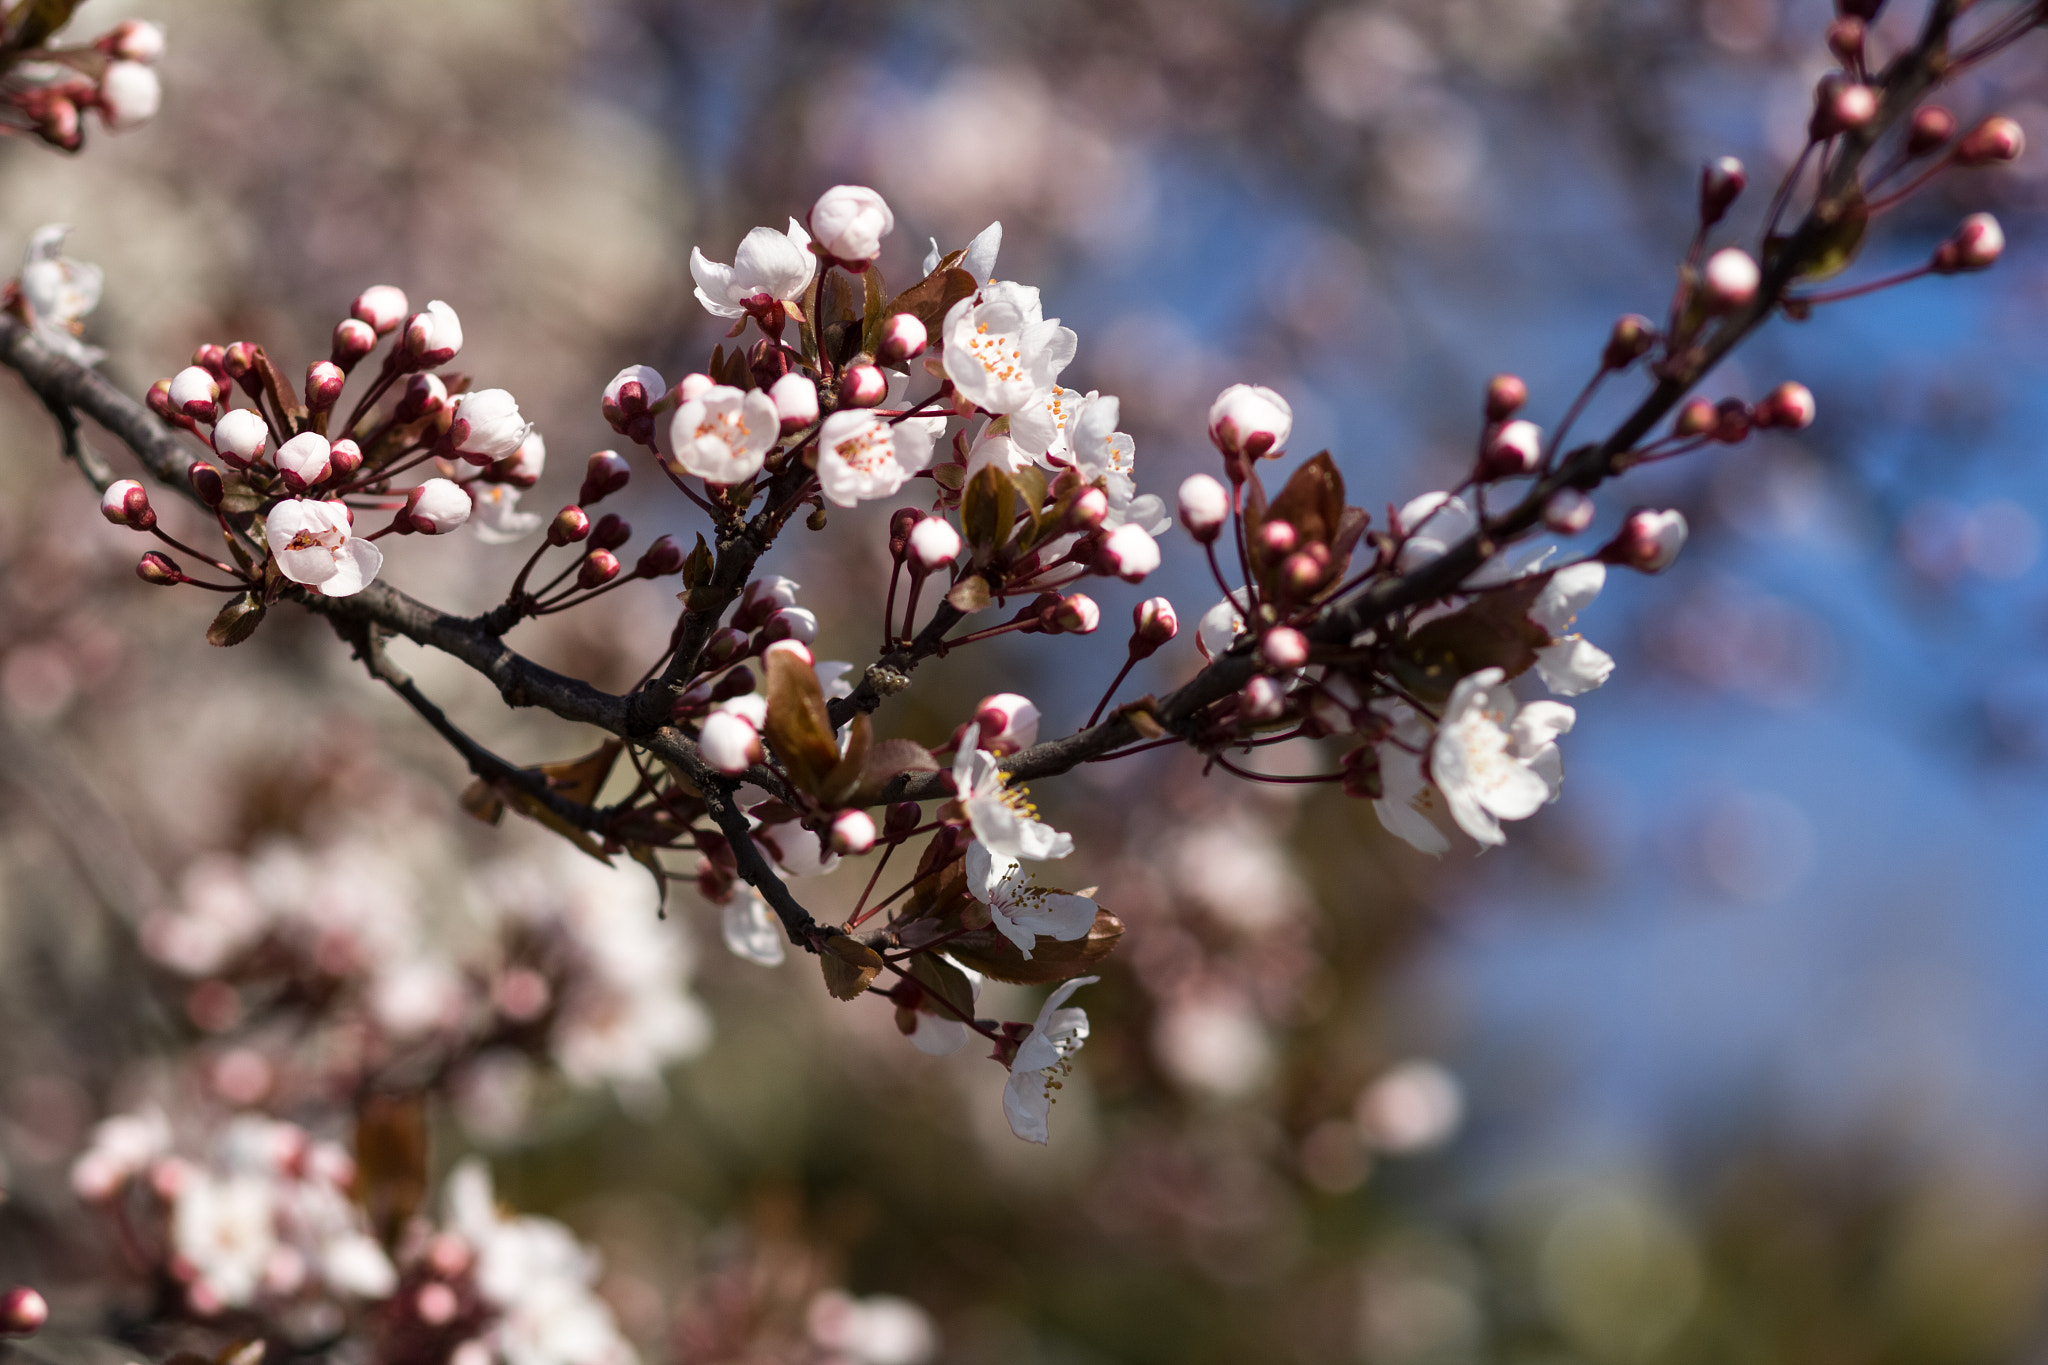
(497, 516)
(1222, 624)
(942, 1035)
(861, 456)
(1056, 1035)
(438, 506)
(777, 264)
(878, 1330)
(224, 1227)
(1408, 806)
(851, 221)
(59, 292)
(130, 94)
(751, 930)
(488, 426)
(1001, 353)
(305, 459)
(980, 258)
(1001, 816)
(1570, 664)
(1495, 759)
(314, 543)
(1021, 910)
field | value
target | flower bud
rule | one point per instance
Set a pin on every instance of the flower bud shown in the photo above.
(1568, 512)
(424, 396)
(605, 474)
(1839, 106)
(213, 359)
(729, 743)
(206, 483)
(1089, 510)
(438, 506)
(902, 818)
(239, 360)
(1996, 139)
(381, 307)
(1277, 538)
(571, 525)
(126, 503)
(1153, 623)
(1931, 129)
(22, 1312)
(1976, 244)
(194, 392)
(160, 569)
(722, 648)
(599, 568)
(796, 401)
(903, 338)
(791, 623)
(58, 122)
(324, 379)
(1304, 572)
(1204, 507)
(863, 386)
(1008, 722)
(241, 436)
(1250, 420)
(488, 426)
(129, 94)
(1283, 648)
(1722, 182)
(849, 222)
(853, 832)
(766, 596)
(353, 339)
(1733, 421)
(433, 337)
(1515, 449)
(660, 559)
(304, 460)
(1789, 406)
(1845, 40)
(1696, 418)
(932, 543)
(133, 40)
(737, 682)
(611, 531)
(1074, 614)
(1261, 700)
(1731, 279)
(159, 400)
(1129, 552)
(632, 393)
(1648, 541)
(345, 459)
(1505, 394)
(1630, 340)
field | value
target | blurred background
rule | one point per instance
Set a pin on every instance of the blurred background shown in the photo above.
(1736, 1053)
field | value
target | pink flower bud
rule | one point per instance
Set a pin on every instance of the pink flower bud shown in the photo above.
(1839, 106)
(863, 386)
(903, 817)
(424, 396)
(1089, 510)
(22, 1312)
(239, 360)
(1304, 571)
(126, 503)
(1250, 420)
(722, 648)
(1731, 279)
(729, 743)
(605, 474)
(129, 94)
(345, 459)
(763, 598)
(1789, 406)
(791, 623)
(903, 338)
(611, 531)
(1517, 448)
(1075, 614)
(796, 401)
(304, 460)
(382, 307)
(932, 543)
(133, 40)
(660, 559)
(1649, 541)
(1996, 139)
(1204, 507)
(631, 394)
(1153, 623)
(1630, 340)
(1283, 648)
(1008, 722)
(1722, 181)
(1130, 553)
(571, 524)
(324, 379)
(438, 506)
(1845, 39)
(1261, 700)
(353, 339)
(1568, 512)
(1505, 395)
(159, 400)
(1932, 127)
(206, 483)
(241, 436)
(853, 832)
(194, 392)
(488, 426)
(1732, 421)
(599, 568)
(159, 569)
(1976, 244)
(1278, 538)
(849, 222)
(1696, 418)
(58, 122)
(433, 337)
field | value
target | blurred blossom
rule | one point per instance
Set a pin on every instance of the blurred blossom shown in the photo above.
(878, 1330)
(1356, 62)
(1619, 1273)
(1414, 1107)
(1942, 540)
(1730, 636)
(1418, 1305)
(1433, 150)
(1215, 1043)
(1236, 868)
(1750, 846)
(1334, 1157)
(1739, 26)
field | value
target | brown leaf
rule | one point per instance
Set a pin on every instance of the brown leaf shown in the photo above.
(942, 979)
(32, 21)
(971, 594)
(838, 786)
(237, 620)
(930, 299)
(849, 967)
(886, 762)
(481, 800)
(1493, 632)
(876, 310)
(697, 565)
(799, 728)
(987, 509)
(1312, 500)
(391, 1159)
(988, 952)
(580, 779)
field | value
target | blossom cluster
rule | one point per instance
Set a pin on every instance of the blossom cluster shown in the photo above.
(47, 89)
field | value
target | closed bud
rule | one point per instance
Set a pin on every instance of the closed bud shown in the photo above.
(1153, 623)
(159, 569)
(1732, 421)
(570, 526)
(1074, 614)
(791, 623)
(324, 379)
(1088, 511)
(1931, 129)
(903, 338)
(1283, 648)
(660, 559)
(1731, 279)
(345, 458)
(599, 568)
(1630, 340)
(241, 436)
(1841, 106)
(424, 396)
(1649, 541)
(22, 1312)
(133, 40)
(932, 543)
(796, 401)
(1722, 182)
(863, 386)
(849, 222)
(1129, 552)
(207, 483)
(381, 308)
(433, 337)
(631, 393)
(304, 460)
(1696, 418)
(1204, 507)
(1515, 449)
(1505, 395)
(1261, 700)
(722, 648)
(766, 596)
(488, 426)
(1277, 538)
(611, 531)
(768, 362)
(729, 742)
(1977, 243)
(1996, 139)
(1305, 569)
(1845, 40)
(353, 339)
(1568, 512)
(1789, 406)
(903, 817)
(437, 506)
(126, 503)
(212, 358)
(853, 832)
(604, 474)
(194, 393)
(239, 360)
(1250, 420)
(737, 682)
(1007, 722)
(159, 399)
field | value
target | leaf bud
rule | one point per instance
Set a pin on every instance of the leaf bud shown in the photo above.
(1204, 507)
(1505, 395)
(1978, 242)
(206, 483)
(903, 338)
(1789, 406)
(1696, 418)
(1731, 278)
(659, 560)
(126, 503)
(571, 525)
(1648, 542)
(1088, 511)
(353, 339)
(605, 474)
(1722, 182)
(1997, 138)
(345, 458)
(1261, 700)
(1931, 129)
(1074, 614)
(424, 395)
(22, 1312)
(195, 393)
(1277, 538)
(611, 531)
(863, 386)
(796, 401)
(902, 817)
(324, 380)
(1630, 340)
(1568, 512)
(599, 568)
(1515, 449)
(853, 832)
(932, 543)
(817, 519)
(1283, 648)
(159, 569)
(381, 307)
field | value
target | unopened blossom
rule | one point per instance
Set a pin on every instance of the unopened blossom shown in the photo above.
(1002, 816)
(1649, 540)
(796, 400)
(133, 40)
(1130, 553)
(126, 503)
(1731, 277)
(1570, 664)
(852, 832)
(495, 514)
(723, 434)
(862, 456)
(1250, 419)
(1517, 448)
(130, 93)
(730, 737)
(903, 339)
(751, 930)
(1204, 506)
(1042, 1059)
(314, 543)
(23, 1312)
(525, 465)
(58, 292)
(304, 460)
(996, 448)
(437, 506)
(1021, 910)
(850, 222)
(1495, 759)
(1009, 722)
(194, 392)
(434, 337)
(382, 306)
(488, 426)
(980, 258)
(1001, 352)
(1976, 244)
(934, 543)
(769, 267)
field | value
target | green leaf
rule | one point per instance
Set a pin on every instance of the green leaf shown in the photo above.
(799, 728)
(988, 952)
(849, 967)
(237, 620)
